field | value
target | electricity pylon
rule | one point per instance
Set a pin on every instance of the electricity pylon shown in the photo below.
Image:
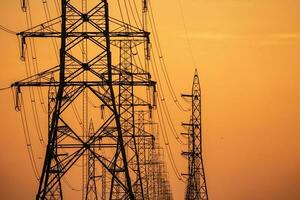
(196, 182)
(107, 74)
(91, 186)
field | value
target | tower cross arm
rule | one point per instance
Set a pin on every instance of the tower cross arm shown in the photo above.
(187, 95)
(43, 28)
(53, 33)
(76, 83)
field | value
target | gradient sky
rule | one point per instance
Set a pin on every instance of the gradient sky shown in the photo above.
(246, 52)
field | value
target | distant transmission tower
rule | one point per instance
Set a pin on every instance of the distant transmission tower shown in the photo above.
(109, 75)
(196, 182)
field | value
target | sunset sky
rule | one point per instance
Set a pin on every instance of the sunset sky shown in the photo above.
(247, 56)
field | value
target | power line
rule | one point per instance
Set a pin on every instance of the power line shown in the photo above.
(161, 111)
(127, 12)
(3, 28)
(28, 139)
(186, 33)
(136, 10)
(138, 18)
(121, 13)
(167, 144)
(33, 105)
(164, 105)
(5, 88)
(162, 61)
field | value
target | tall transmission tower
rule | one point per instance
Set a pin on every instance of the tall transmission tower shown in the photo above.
(97, 62)
(196, 182)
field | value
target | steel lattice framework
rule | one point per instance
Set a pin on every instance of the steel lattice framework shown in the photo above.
(196, 182)
(119, 144)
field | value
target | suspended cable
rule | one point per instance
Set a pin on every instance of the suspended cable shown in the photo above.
(133, 15)
(186, 33)
(162, 61)
(48, 18)
(167, 144)
(121, 13)
(36, 71)
(136, 10)
(7, 30)
(162, 99)
(5, 88)
(57, 7)
(169, 120)
(33, 105)
(66, 181)
(28, 139)
(33, 57)
(40, 95)
(127, 13)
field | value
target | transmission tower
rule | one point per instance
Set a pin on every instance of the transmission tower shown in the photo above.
(109, 75)
(91, 186)
(196, 182)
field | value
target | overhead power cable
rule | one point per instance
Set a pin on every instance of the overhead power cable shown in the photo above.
(161, 96)
(31, 67)
(48, 18)
(34, 106)
(138, 20)
(167, 144)
(127, 12)
(137, 13)
(162, 61)
(34, 60)
(186, 33)
(121, 13)
(5, 88)
(3, 28)
(28, 139)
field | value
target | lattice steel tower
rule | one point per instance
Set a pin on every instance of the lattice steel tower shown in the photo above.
(109, 75)
(196, 182)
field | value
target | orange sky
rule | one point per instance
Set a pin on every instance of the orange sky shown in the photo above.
(246, 52)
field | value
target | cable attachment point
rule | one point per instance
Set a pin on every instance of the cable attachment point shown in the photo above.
(145, 6)
(22, 46)
(17, 100)
(102, 111)
(154, 96)
(148, 48)
(23, 5)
